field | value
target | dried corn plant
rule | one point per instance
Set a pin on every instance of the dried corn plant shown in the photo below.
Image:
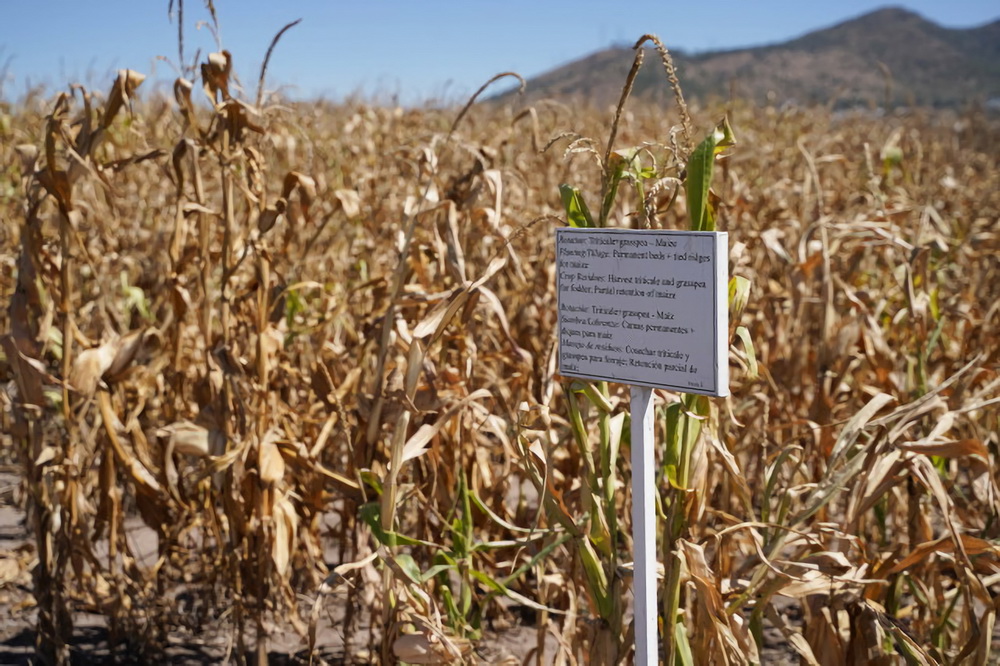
(309, 351)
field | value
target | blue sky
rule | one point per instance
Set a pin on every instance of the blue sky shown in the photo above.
(415, 49)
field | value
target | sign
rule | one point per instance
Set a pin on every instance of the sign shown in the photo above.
(646, 308)
(650, 309)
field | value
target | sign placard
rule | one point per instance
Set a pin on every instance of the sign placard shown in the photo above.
(647, 308)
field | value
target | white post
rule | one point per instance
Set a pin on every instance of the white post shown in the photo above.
(644, 527)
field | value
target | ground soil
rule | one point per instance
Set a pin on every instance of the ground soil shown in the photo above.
(507, 643)
(91, 642)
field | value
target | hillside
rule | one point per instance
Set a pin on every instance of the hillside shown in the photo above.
(891, 52)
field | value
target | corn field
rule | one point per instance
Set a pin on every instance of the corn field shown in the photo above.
(281, 378)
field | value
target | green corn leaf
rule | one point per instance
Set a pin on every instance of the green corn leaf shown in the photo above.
(507, 525)
(135, 297)
(463, 525)
(370, 479)
(582, 439)
(371, 515)
(600, 533)
(294, 305)
(699, 176)
(409, 566)
(670, 472)
(600, 400)
(538, 557)
(617, 167)
(683, 421)
(459, 544)
(685, 656)
(597, 580)
(672, 443)
(694, 410)
(935, 305)
(465, 593)
(496, 587)
(577, 213)
(454, 615)
(434, 571)
(772, 475)
(444, 559)
(935, 336)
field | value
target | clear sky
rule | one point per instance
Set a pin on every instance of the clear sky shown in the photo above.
(415, 49)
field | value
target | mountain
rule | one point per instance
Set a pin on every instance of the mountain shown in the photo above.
(890, 53)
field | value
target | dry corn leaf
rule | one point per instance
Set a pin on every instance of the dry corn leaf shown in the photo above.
(830, 563)
(267, 219)
(735, 640)
(272, 341)
(494, 303)
(126, 349)
(794, 638)
(426, 648)
(825, 631)
(438, 318)
(856, 329)
(30, 373)
(772, 240)
(808, 584)
(47, 454)
(972, 546)
(186, 438)
(984, 645)
(10, 570)
(305, 185)
(121, 93)
(454, 253)
(417, 444)
(350, 202)
(732, 467)
(194, 207)
(922, 468)
(271, 464)
(108, 361)
(28, 154)
(140, 474)
(849, 435)
(182, 95)
(442, 313)
(90, 365)
(878, 479)
(915, 653)
(950, 449)
(215, 75)
(347, 567)
(286, 523)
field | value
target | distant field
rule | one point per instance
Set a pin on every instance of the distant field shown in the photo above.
(282, 379)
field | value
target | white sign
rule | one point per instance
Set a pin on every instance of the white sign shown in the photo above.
(647, 308)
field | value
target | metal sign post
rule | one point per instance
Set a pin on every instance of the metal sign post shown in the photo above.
(644, 526)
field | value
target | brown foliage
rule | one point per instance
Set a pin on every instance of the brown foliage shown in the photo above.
(291, 337)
